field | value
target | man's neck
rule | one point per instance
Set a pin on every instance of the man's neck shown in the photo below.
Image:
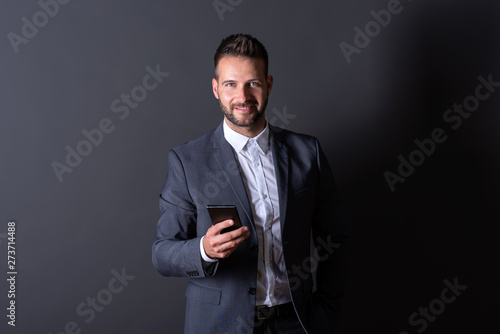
(248, 131)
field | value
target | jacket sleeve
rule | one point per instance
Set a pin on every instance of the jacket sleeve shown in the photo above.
(330, 237)
(176, 250)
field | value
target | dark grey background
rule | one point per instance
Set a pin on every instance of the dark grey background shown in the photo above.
(437, 225)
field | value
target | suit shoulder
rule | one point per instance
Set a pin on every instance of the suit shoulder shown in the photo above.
(295, 138)
(196, 147)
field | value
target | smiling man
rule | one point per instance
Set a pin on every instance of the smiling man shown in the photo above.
(242, 87)
(259, 277)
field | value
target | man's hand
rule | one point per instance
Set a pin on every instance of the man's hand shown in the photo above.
(219, 245)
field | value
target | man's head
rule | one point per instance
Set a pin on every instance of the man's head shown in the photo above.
(241, 83)
(241, 45)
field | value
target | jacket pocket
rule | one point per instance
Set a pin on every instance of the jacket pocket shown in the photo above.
(203, 294)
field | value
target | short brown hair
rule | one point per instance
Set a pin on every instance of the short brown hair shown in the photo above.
(242, 45)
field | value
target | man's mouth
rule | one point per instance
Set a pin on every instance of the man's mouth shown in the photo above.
(244, 108)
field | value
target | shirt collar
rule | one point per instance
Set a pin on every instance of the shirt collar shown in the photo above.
(238, 141)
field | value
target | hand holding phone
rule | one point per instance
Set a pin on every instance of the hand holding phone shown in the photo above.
(220, 213)
(221, 241)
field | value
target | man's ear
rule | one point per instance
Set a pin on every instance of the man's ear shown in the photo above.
(214, 88)
(269, 82)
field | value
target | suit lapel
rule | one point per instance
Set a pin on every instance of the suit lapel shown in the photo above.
(224, 155)
(280, 161)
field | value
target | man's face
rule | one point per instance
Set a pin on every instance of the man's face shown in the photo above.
(242, 90)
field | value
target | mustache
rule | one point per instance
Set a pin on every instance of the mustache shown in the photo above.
(244, 105)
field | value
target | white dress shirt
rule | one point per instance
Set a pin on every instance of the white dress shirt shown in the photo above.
(255, 159)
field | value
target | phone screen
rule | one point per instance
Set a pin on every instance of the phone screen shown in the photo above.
(219, 213)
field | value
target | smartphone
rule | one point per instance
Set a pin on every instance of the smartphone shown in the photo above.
(219, 213)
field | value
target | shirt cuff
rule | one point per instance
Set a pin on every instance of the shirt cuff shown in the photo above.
(204, 255)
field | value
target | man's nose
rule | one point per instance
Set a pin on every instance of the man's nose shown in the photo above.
(243, 94)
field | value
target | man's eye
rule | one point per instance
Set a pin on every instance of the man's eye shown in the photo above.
(230, 84)
(255, 84)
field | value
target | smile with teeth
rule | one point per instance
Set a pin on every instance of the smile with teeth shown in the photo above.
(243, 109)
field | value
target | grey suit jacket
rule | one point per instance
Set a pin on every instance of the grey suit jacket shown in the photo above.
(222, 299)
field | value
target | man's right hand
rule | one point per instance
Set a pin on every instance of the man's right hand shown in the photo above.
(219, 245)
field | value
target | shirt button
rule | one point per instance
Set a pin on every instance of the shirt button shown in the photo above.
(264, 196)
(251, 291)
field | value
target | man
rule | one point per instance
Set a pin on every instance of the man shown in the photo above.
(257, 278)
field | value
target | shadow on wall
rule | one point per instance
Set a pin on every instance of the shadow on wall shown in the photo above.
(434, 224)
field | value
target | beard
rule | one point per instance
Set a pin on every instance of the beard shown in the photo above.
(254, 115)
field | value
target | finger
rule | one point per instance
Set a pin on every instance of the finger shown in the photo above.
(237, 233)
(222, 250)
(222, 225)
(225, 244)
(231, 244)
(241, 237)
(231, 240)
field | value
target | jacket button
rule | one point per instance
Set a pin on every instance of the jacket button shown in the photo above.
(251, 291)
(254, 247)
